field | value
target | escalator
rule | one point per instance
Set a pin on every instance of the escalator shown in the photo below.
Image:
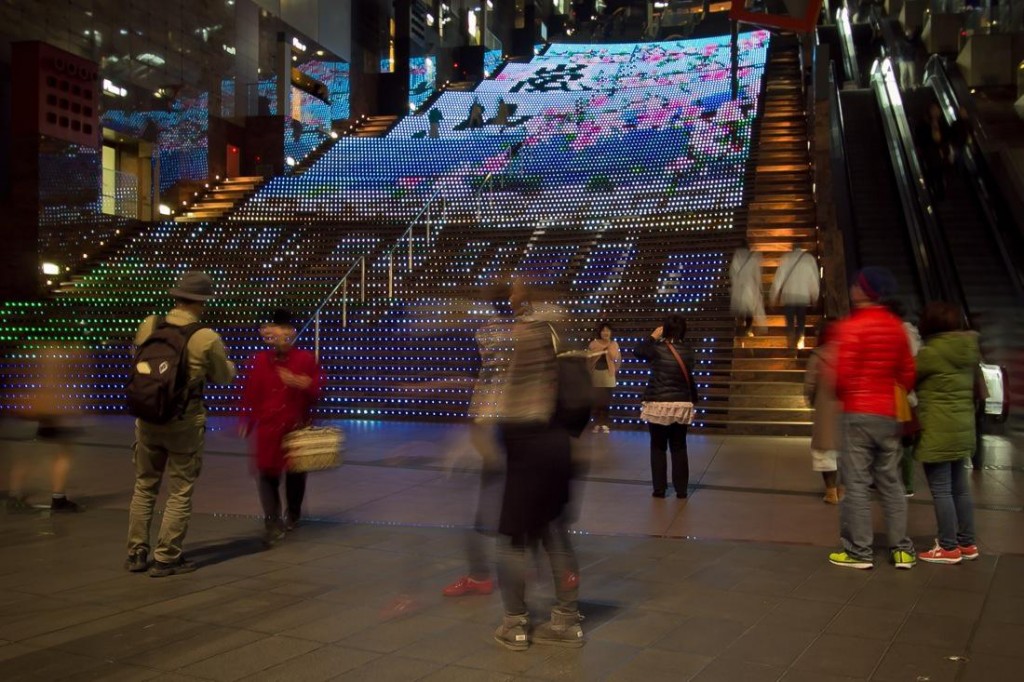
(881, 236)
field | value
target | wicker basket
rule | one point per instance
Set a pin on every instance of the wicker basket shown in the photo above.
(314, 448)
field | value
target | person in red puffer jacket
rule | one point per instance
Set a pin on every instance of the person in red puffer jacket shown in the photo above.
(872, 358)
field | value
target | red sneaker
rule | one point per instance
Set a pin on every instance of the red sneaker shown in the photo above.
(969, 552)
(937, 555)
(466, 585)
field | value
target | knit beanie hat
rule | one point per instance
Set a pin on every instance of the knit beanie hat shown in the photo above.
(877, 283)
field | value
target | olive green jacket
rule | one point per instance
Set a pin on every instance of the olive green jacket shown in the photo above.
(946, 367)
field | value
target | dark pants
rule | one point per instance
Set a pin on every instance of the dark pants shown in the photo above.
(796, 320)
(512, 558)
(669, 438)
(270, 498)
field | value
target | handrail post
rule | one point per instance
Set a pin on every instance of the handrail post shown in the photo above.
(391, 274)
(316, 336)
(428, 221)
(344, 303)
(362, 279)
(410, 249)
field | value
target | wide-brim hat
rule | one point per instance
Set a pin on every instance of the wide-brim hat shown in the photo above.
(193, 286)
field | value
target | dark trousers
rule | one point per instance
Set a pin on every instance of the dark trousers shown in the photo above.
(796, 319)
(512, 561)
(663, 439)
(270, 497)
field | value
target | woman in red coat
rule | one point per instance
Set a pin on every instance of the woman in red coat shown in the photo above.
(280, 390)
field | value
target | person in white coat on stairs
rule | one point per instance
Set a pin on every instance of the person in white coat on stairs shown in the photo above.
(746, 294)
(795, 287)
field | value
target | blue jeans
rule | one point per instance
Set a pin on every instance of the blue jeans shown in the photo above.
(954, 511)
(871, 454)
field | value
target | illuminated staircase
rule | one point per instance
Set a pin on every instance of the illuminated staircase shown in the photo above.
(220, 199)
(766, 390)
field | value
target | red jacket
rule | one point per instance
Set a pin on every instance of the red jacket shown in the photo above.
(275, 409)
(872, 356)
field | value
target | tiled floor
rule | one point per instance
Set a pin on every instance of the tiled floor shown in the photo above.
(731, 584)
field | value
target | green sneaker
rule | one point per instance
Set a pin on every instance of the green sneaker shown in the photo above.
(902, 559)
(846, 561)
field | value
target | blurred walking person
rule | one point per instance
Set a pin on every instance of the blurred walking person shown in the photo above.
(282, 386)
(668, 403)
(494, 344)
(746, 289)
(55, 405)
(537, 481)
(820, 392)
(170, 439)
(795, 287)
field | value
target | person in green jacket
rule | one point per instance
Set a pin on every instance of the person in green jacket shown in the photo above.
(946, 366)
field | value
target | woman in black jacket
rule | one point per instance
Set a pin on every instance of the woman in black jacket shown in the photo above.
(668, 402)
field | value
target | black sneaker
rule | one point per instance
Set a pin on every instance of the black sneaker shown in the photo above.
(291, 522)
(64, 505)
(179, 567)
(137, 561)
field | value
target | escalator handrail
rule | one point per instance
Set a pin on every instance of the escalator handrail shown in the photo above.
(842, 189)
(845, 31)
(938, 278)
(937, 75)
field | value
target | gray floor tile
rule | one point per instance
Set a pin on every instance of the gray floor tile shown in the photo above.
(594, 661)
(450, 644)
(636, 627)
(390, 636)
(115, 672)
(856, 621)
(842, 655)
(770, 645)
(390, 669)
(733, 670)
(250, 658)
(335, 628)
(498, 659)
(801, 615)
(205, 642)
(655, 664)
(942, 602)
(1005, 609)
(990, 667)
(290, 616)
(836, 585)
(702, 635)
(946, 632)
(1001, 639)
(98, 626)
(324, 663)
(131, 639)
(459, 674)
(58, 614)
(892, 594)
(916, 662)
(794, 675)
(45, 665)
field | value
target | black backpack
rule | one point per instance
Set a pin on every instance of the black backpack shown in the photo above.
(158, 383)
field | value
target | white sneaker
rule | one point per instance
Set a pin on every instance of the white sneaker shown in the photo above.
(597, 429)
(605, 429)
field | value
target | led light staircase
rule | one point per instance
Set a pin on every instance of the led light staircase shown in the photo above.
(220, 199)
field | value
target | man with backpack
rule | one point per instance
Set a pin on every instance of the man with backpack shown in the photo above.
(175, 357)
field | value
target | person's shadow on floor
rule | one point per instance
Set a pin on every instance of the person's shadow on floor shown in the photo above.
(211, 553)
